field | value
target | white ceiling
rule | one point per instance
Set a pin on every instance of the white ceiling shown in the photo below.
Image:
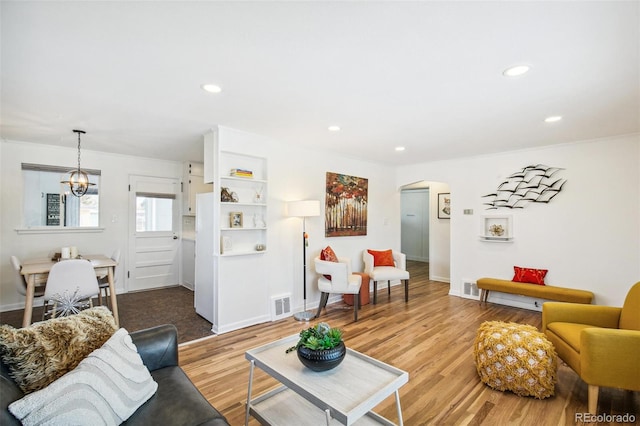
(424, 75)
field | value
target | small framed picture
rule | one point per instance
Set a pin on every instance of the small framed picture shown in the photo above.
(444, 205)
(235, 219)
(226, 244)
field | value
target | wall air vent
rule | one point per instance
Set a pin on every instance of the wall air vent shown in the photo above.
(280, 307)
(470, 288)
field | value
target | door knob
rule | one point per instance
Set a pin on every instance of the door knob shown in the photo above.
(175, 237)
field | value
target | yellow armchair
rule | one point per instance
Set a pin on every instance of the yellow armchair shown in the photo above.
(600, 343)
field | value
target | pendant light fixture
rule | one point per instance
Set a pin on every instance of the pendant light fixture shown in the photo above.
(77, 179)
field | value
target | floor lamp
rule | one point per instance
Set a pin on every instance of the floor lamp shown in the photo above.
(304, 209)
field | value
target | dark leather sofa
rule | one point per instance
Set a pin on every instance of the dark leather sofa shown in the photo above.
(176, 402)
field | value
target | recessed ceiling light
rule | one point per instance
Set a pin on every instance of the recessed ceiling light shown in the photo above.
(211, 88)
(553, 119)
(399, 148)
(516, 70)
(334, 128)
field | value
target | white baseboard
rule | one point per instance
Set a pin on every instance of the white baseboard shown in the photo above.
(240, 324)
(515, 301)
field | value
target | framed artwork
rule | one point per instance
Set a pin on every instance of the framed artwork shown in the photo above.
(226, 244)
(345, 205)
(235, 219)
(444, 205)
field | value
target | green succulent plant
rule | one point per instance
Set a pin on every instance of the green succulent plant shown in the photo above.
(318, 337)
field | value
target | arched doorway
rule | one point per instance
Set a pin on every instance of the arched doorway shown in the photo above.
(424, 236)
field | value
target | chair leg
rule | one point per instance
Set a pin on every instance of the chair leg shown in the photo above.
(356, 306)
(593, 399)
(406, 291)
(323, 302)
(388, 287)
(481, 295)
(100, 296)
(106, 297)
(375, 292)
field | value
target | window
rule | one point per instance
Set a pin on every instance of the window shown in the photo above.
(154, 212)
(49, 203)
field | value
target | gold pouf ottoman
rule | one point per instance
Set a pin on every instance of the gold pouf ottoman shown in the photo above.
(515, 357)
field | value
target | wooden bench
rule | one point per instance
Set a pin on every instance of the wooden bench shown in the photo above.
(548, 292)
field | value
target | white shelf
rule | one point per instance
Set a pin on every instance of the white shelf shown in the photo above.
(242, 179)
(242, 253)
(496, 239)
(243, 229)
(231, 203)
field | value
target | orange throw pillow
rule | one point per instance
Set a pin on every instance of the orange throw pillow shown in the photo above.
(529, 275)
(329, 255)
(382, 258)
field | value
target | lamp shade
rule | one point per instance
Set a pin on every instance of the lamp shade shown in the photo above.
(303, 208)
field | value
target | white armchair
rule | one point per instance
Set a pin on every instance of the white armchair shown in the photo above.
(387, 273)
(341, 281)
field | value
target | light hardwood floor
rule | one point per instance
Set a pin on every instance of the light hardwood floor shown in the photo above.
(431, 338)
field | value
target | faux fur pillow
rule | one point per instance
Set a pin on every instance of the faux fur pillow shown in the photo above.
(39, 354)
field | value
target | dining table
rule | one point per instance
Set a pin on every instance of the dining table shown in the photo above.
(31, 268)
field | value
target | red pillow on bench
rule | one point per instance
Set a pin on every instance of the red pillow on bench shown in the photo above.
(529, 275)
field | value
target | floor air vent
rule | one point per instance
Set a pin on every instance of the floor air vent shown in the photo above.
(280, 307)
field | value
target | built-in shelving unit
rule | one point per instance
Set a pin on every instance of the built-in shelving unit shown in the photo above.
(230, 257)
(246, 236)
(497, 229)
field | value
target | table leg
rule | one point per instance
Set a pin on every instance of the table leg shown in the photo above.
(327, 414)
(399, 409)
(246, 417)
(28, 303)
(112, 294)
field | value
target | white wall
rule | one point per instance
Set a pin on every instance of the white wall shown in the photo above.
(439, 237)
(300, 174)
(114, 204)
(588, 236)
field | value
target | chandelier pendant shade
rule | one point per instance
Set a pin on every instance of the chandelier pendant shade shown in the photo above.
(77, 179)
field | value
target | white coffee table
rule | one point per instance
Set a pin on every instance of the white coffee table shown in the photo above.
(344, 395)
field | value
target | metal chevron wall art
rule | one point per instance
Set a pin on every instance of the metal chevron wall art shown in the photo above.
(532, 184)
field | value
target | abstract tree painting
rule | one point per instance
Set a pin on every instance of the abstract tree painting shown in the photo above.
(346, 205)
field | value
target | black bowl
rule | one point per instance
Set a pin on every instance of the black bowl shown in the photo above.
(322, 360)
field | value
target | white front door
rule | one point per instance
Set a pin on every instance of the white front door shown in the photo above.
(153, 238)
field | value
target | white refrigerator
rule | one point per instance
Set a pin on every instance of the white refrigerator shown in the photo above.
(204, 279)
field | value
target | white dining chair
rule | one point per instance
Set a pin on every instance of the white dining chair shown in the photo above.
(21, 282)
(70, 287)
(336, 277)
(103, 282)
